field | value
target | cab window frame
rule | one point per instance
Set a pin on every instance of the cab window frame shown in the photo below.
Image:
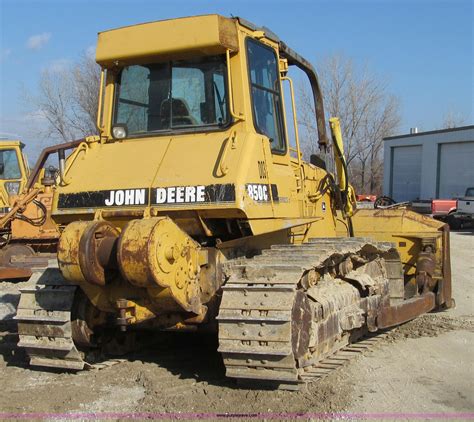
(281, 121)
(173, 131)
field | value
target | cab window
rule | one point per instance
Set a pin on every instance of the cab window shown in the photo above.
(172, 96)
(266, 95)
(9, 166)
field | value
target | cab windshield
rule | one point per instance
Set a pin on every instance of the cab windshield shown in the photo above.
(174, 95)
(9, 166)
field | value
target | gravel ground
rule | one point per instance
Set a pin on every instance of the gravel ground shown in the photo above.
(428, 363)
(424, 366)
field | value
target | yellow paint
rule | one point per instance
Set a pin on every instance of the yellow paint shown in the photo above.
(23, 170)
(154, 252)
(406, 229)
(235, 155)
(341, 164)
(210, 34)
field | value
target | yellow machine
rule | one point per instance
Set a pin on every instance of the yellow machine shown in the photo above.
(29, 236)
(191, 211)
(14, 173)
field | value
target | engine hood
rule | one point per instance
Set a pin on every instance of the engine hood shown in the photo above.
(188, 171)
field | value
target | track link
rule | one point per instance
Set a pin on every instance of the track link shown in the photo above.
(340, 358)
(45, 328)
(287, 310)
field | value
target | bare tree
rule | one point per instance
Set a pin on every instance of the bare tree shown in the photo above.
(367, 114)
(87, 81)
(67, 98)
(452, 119)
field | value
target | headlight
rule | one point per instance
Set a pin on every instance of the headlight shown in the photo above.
(119, 131)
(12, 188)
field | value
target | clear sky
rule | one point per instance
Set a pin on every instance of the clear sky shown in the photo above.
(423, 47)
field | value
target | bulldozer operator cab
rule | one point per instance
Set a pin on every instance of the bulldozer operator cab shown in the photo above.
(197, 91)
(198, 118)
(14, 172)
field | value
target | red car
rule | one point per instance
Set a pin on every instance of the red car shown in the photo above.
(366, 198)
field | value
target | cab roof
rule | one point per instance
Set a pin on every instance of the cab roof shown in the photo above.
(205, 34)
(8, 143)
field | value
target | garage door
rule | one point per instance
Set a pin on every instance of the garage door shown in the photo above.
(456, 169)
(406, 173)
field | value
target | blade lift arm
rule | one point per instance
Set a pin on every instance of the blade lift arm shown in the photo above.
(347, 191)
(18, 207)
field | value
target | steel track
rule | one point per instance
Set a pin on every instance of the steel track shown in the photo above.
(264, 328)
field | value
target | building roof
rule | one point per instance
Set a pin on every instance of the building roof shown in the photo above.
(430, 132)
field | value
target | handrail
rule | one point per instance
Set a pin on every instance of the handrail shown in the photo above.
(99, 105)
(295, 121)
(295, 59)
(82, 146)
(223, 167)
(110, 109)
(229, 84)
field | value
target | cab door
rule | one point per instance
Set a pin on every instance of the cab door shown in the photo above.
(268, 118)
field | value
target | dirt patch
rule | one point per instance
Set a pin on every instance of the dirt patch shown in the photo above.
(185, 376)
(185, 373)
(227, 397)
(430, 325)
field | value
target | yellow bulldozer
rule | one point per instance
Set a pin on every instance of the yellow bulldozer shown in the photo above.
(191, 211)
(28, 235)
(14, 174)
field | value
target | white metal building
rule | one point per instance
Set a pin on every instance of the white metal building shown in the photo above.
(428, 165)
